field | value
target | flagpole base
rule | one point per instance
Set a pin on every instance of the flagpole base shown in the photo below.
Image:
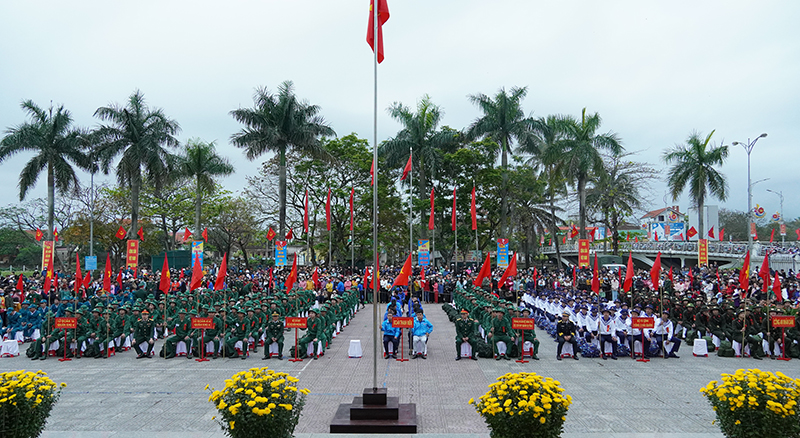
(402, 359)
(66, 359)
(202, 359)
(784, 358)
(643, 360)
(521, 361)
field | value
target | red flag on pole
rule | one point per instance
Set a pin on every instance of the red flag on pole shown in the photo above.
(671, 278)
(223, 271)
(271, 234)
(315, 278)
(205, 234)
(55, 234)
(407, 169)
(797, 231)
(328, 211)
(197, 276)
(711, 232)
(656, 236)
(270, 278)
(383, 17)
(78, 275)
(292, 278)
(372, 173)
(772, 235)
(453, 218)
(574, 232)
(48, 279)
(721, 234)
(140, 233)
(120, 233)
(776, 288)
(87, 280)
(595, 277)
(20, 285)
(474, 213)
(574, 277)
(636, 239)
(655, 272)
(164, 284)
(511, 270)
(486, 271)
(305, 214)
(352, 193)
(290, 234)
(119, 278)
(764, 272)
(691, 232)
(186, 234)
(366, 278)
(430, 218)
(39, 235)
(626, 285)
(405, 272)
(107, 273)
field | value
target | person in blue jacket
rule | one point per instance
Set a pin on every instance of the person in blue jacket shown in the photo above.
(422, 328)
(390, 335)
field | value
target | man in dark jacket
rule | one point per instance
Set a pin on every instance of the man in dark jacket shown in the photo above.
(565, 329)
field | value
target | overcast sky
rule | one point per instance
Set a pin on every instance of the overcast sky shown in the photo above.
(655, 71)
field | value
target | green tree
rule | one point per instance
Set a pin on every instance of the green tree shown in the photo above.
(693, 164)
(577, 154)
(503, 121)
(57, 145)
(531, 211)
(141, 136)
(202, 164)
(422, 134)
(277, 123)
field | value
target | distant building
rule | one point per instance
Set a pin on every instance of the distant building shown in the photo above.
(666, 223)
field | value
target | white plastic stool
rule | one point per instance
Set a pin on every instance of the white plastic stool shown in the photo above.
(355, 348)
(700, 348)
(527, 349)
(567, 350)
(273, 349)
(9, 349)
(310, 349)
(466, 349)
(637, 347)
(501, 348)
(765, 346)
(716, 341)
(180, 348)
(737, 349)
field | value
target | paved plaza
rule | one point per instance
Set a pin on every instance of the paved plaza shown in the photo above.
(125, 397)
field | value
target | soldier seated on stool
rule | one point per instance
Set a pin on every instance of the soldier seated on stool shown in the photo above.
(665, 335)
(183, 328)
(501, 332)
(529, 336)
(565, 331)
(607, 327)
(274, 333)
(422, 328)
(143, 332)
(466, 329)
(390, 335)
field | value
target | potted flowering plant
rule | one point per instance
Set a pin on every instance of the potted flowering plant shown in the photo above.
(755, 403)
(259, 402)
(524, 405)
(26, 399)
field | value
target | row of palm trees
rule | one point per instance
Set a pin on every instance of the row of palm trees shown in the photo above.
(135, 140)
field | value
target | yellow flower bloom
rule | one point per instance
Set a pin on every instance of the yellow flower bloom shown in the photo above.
(232, 424)
(542, 420)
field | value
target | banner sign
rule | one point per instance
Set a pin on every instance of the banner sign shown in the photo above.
(783, 321)
(90, 263)
(502, 253)
(197, 252)
(47, 255)
(132, 254)
(66, 323)
(424, 252)
(294, 322)
(753, 229)
(280, 253)
(523, 324)
(642, 322)
(783, 229)
(583, 253)
(702, 252)
(403, 322)
(206, 323)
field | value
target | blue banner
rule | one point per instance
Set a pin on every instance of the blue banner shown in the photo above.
(502, 253)
(91, 263)
(280, 253)
(424, 252)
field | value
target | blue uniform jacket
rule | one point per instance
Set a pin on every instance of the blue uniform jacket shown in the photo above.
(389, 330)
(422, 327)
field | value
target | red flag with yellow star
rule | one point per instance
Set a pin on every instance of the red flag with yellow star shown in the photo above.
(405, 272)
(164, 284)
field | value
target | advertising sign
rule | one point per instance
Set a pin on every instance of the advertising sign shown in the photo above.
(197, 252)
(47, 254)
(583, 253)
(502, 253)
(424, 252)
(280, 253)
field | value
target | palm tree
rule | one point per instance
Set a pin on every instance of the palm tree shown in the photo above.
(56, 145)
(577, 154)
(140, 134)
(276, 123)
(420, 132)
(202, 163)
(503, 121)
(693, 165)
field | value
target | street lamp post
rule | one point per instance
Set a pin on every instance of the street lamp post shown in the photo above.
(748, 147)
(780, 195)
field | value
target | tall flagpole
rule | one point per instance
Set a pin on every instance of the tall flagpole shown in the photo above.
(375, 284)
(410, 210)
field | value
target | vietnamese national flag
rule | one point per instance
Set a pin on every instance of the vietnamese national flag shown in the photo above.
(55, 234)
(372, 173)
(711, 232)
(78, 275)
(626, 286)
(292, 278)
(680, 237)
(485, 272)
(655, 272)
(405, 272)
(186, 234)
(39, 235)
(366, 279)
(197, 276)
(290, 234)
(656, 236)
(671, 278)
(776, 288)
(595, 277)
(744, 273)
(164, 284)
(691, 233)
(119, 279)
(140, 233)
(87, 279)
(407, 169)
(764, 272)
(305, 214)
(221, 273)
(772, 235)
(107, 274)
(691, 278)
(474, 213)
(797, 231)
(315, 279)
(430, 218)
(453, 218)
(383, 17)
(352, 193)
(328, 210)
(48, 279)
(271, 234)
(511, 270)
(205, 234)
(721, 234)
(120, 233)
